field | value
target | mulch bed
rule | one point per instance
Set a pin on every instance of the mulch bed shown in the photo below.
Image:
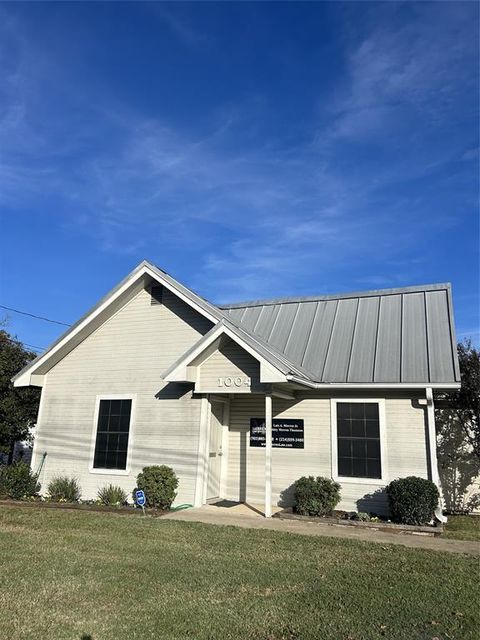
(389, 527)
(121, 511)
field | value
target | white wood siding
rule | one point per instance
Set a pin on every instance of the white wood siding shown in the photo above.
(126, 355)
(406, 449)
(229, 361)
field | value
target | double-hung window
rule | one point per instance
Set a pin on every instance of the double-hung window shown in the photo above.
(357, 432)
(113, 430)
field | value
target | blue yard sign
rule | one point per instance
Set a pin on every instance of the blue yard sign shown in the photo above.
(140, 497)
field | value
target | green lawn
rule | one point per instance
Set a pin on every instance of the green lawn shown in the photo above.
(72, 574)
(463, 528)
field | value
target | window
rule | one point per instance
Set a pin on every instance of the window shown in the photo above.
(358, 440)
(113, 428)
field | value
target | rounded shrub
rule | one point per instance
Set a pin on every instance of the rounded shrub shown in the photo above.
(412, 500)
(315, 496)
(159, 484)
(17, 481)
(64, 489)
(112, 495)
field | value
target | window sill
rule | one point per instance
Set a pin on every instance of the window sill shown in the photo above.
(349, 480)
(110, 472)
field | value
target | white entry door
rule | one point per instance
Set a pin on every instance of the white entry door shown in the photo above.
(215, 451)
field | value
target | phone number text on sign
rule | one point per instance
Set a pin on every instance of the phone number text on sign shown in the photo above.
(234, 381)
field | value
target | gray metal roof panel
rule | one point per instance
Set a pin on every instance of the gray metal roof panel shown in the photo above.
(362, 359)
(392, 336)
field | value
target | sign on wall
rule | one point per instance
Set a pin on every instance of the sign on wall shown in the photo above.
(286, 433)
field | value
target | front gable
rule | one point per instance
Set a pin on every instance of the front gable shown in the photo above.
(143, 280)
(228, 368)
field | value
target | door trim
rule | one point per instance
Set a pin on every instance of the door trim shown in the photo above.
(223, 464)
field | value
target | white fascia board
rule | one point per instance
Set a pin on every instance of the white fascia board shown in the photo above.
(27, 378)
(183, 372)
(374, 385)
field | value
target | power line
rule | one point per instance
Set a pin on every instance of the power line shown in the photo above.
(25, 344)
(32, 315)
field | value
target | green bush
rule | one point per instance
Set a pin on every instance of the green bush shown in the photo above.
(412, 500)
(159, 484)
(316, 496)
(17, 481)
(64, 489)
(112, 495)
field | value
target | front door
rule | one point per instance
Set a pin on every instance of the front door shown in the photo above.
(215, 451)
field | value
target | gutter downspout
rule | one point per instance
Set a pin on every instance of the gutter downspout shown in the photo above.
(432, 445)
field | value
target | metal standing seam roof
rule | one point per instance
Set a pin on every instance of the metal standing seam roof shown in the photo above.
(383, 336)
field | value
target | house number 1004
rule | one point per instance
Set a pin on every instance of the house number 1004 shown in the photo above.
(234, 381)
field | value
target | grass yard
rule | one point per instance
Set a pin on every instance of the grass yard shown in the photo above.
(463, 528)
(92, 576)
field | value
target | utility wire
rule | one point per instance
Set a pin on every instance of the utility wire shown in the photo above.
(32, 315)
(25, 344)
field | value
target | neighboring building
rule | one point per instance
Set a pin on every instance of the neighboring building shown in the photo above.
(154, 374)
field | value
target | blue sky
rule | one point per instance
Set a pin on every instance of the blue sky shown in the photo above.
(250, 150)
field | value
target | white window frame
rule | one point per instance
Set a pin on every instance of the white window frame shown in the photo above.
(383, 442)
(113, 396)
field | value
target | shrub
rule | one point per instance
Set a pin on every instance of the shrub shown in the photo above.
(316, 496)
(159, 484)
(64, 489)
(361, 516)
(412, 500)
(17, 481)
(112, 495)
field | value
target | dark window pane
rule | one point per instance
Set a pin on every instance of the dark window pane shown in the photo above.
(103, 422)
(112, 442)
(344, 466)
(357, 409)
(372, 429)
(343, 410)
(123, 441)
(115, 407)
(99, 461)
(373, 449)
(374, 469)
(359, 468)
(344, 447)
(114, 423)
(124, 422)
(371, 411)
(358, 448)
(110, 459)
(344, 428)
(104, 409)
(101, 440)
(122, 460)
(358, 428)
(126, 407)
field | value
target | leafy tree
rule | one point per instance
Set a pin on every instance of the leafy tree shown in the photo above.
(18, 405)
(458, 430)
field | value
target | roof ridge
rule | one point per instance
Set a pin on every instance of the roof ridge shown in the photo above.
(337, 296)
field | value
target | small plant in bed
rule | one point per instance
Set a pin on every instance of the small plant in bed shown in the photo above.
(412, 500)
(159, 484)
(112, 496)
(315, 496)
(64, 489)
(17, 481)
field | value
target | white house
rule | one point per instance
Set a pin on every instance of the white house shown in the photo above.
(242, 400)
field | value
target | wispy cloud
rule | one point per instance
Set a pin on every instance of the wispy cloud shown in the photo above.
(257, 216)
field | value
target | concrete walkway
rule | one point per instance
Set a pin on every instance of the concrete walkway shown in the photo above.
(251, 517)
